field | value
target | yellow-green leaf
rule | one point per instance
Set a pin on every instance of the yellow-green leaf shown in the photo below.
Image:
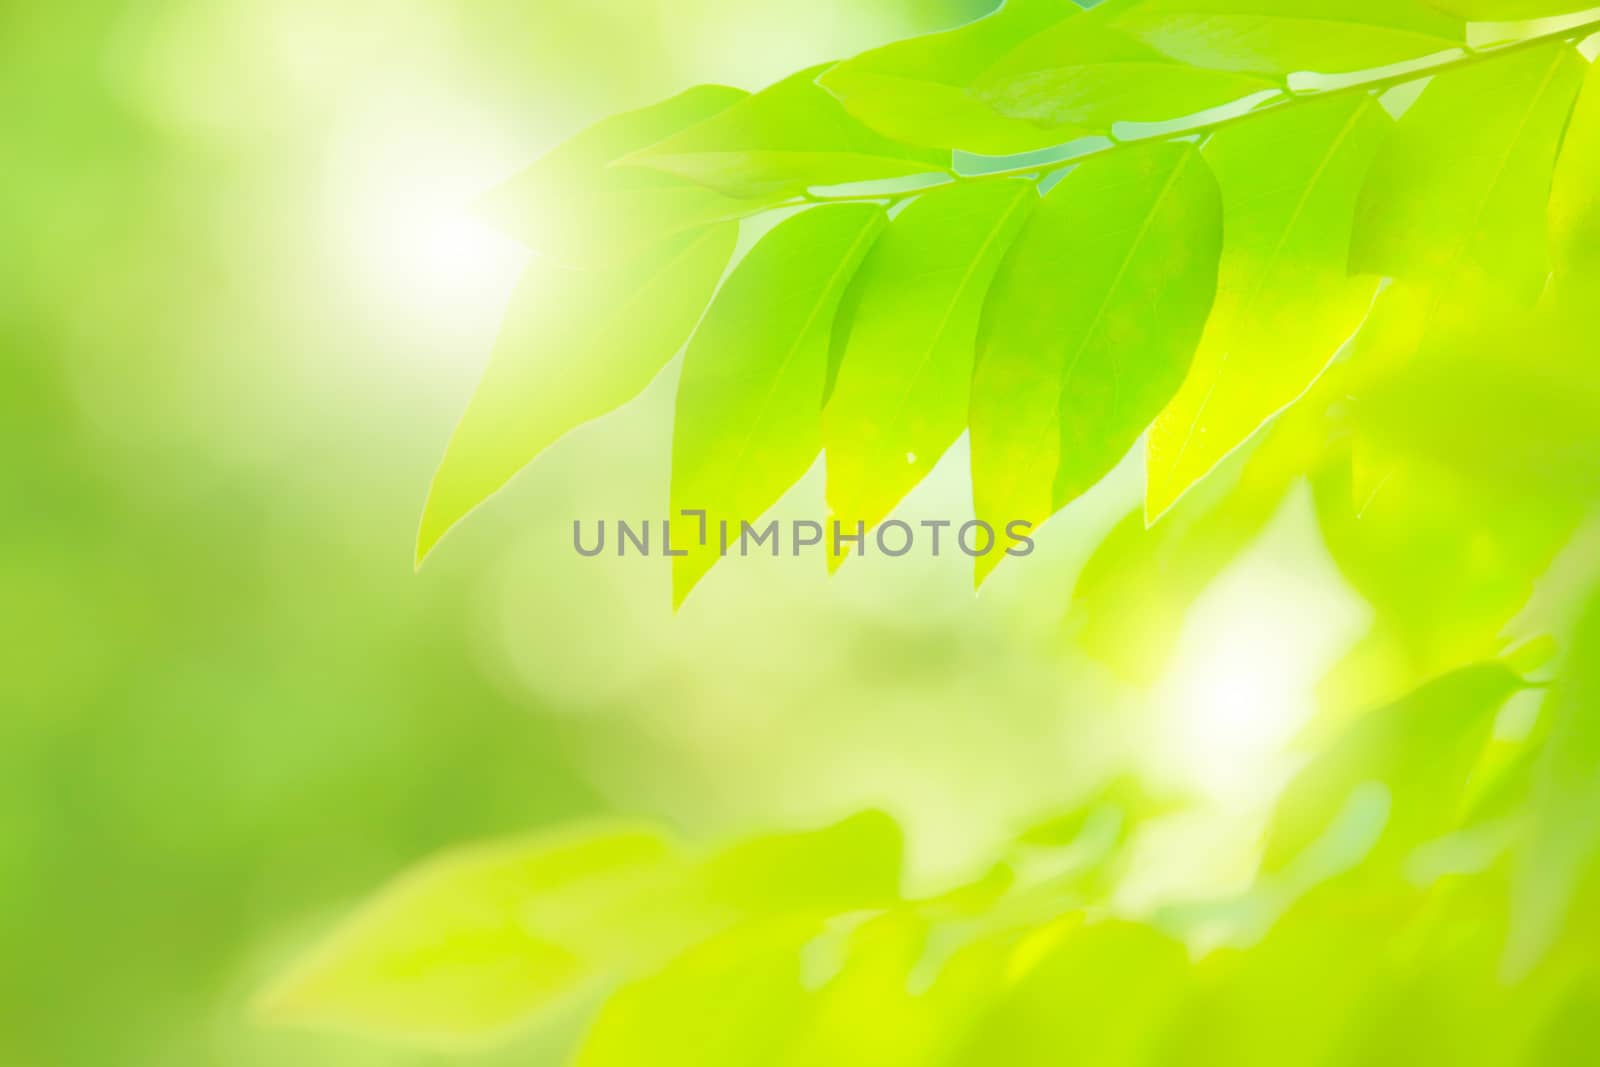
(1421, 749)
(1090, 327)
(1282, 37)
(574, 206)
(920, 91)
(575, 345)
(1082, 77)
(1575, 195)
(1458, 196)
(457, 948)
(1285, 299)
(784, 139)
(903, 387)
(749, 411)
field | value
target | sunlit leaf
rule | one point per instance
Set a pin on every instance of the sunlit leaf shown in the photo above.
(1091, 327)
(732, 1001)
(1082, 77)
(920, 91)
(1458, 196)
(1562, 854)
(1285, 299)
(1286, 36)
(1575, 196)
(1098, 989)
(1421, 750)
(749, 412)
(456, 948)
(849, 866)
(903, 387)
(575, 207)
(780, 141)
(1134, 593)
(1510, 10)
(575, 345)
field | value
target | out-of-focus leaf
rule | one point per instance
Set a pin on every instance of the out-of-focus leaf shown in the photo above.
(920, 90)
(1098, 992)
(1458, 196)
(457, 949)
(1509, 402)
(575, 207)
(575, 345)
(904, 384)
(850, 866)
(1575, 195)
(1090, 328)
(732, 1001)
(749, 411)
(784, 139)
(1561, 856)
(1082, 77)
(870, 1014)
(1132, 596)
(1446, 562)
(1509, 10)
(1422, 750)
(1287, 36)
(1285, 298)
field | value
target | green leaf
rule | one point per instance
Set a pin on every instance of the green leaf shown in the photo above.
(575, 207)
(1422, 749)
(457, 948)
(920, 91)
(1281, 37)
(1458, 196)
(1446, 560)
(1285, 299)
(1562, 852)
(1510, 10)
(783, 140)
(1081, 77)
(1134, 593)
(749, 412)
(575, 345)
(1091, 327)
(851, 865)
(1099, 989)
(1575, 196)
(732, 1001)
(904, 385)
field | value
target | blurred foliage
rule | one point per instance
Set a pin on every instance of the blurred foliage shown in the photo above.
(1297, 786)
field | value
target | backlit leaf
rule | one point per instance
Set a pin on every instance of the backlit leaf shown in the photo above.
(575, 345)
(1575, 196)
(1562, 854)
(903, 388)
(1091, 327)
(784, 139)
(1081, 77)
(575, 207)
(920, 91)
(1283, 37)
(1458, 196)
(1510, 10)
(456, 948)
(749, 411)
(1285, 299)
(1421, 749)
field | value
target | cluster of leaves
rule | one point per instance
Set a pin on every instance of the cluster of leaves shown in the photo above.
(1220, 190)
(1349, 241)
(1377, 929)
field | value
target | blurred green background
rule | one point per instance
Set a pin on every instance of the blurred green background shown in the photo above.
(239, 314)
(241, 307)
